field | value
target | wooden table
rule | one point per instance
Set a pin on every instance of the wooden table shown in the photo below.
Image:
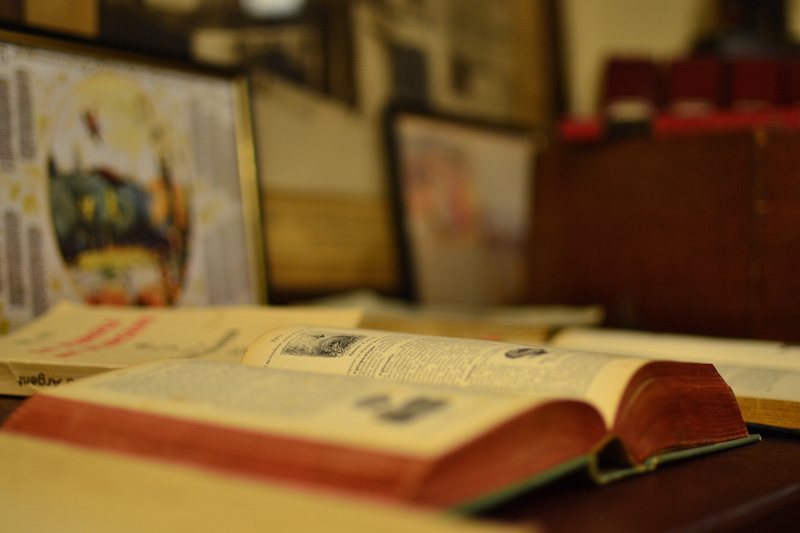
(752, 488)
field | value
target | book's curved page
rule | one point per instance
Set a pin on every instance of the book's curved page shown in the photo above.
(386, 416)
(596, 378)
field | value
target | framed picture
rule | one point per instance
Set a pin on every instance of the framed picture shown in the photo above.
(123, 180)
(464, 200)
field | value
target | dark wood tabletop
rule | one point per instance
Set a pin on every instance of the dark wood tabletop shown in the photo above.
(752, 488)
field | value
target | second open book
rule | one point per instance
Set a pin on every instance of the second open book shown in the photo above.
(397, 417)
(764, 374)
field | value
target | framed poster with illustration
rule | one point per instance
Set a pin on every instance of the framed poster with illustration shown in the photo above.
(123, 180)
(464, 200)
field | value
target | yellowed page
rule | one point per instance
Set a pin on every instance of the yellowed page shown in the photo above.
(752, 368)
(381, 415)
(761, 382)
(675, 347)
(73, 341)
(51, 487)
(597, 378)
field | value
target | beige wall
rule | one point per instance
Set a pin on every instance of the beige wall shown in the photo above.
(311, 143)
(315, 144)
(594, 29)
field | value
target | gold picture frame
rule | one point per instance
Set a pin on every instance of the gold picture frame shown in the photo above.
(124, 179)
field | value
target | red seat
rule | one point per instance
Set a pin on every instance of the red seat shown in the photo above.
(757, 83)
(695, 85)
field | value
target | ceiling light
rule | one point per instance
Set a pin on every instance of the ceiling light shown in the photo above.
(271, 8)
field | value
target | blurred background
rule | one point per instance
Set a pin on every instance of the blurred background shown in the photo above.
(653, 193)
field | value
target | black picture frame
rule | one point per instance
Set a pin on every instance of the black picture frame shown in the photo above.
(462, 191)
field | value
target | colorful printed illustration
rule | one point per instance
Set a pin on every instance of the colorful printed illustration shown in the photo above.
(440, 194)
(466, 193)
(117, 195)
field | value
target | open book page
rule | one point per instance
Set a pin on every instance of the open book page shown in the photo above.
(72, 340)
(599, 379)
(752, 368)
(761, 382)
(676, 347)
(53, 487)
(381, 415)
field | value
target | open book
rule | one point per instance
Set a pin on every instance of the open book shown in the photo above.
(48, 486)
(764, 375)
(72, 341)
(408, 418)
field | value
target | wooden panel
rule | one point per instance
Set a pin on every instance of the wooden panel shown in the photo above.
(11, 10)
(69, 16)
(657, 231)
(317, 245)
(777, 210)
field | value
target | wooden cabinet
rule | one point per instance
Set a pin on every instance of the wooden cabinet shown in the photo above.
(695, 234)
(776, 263)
